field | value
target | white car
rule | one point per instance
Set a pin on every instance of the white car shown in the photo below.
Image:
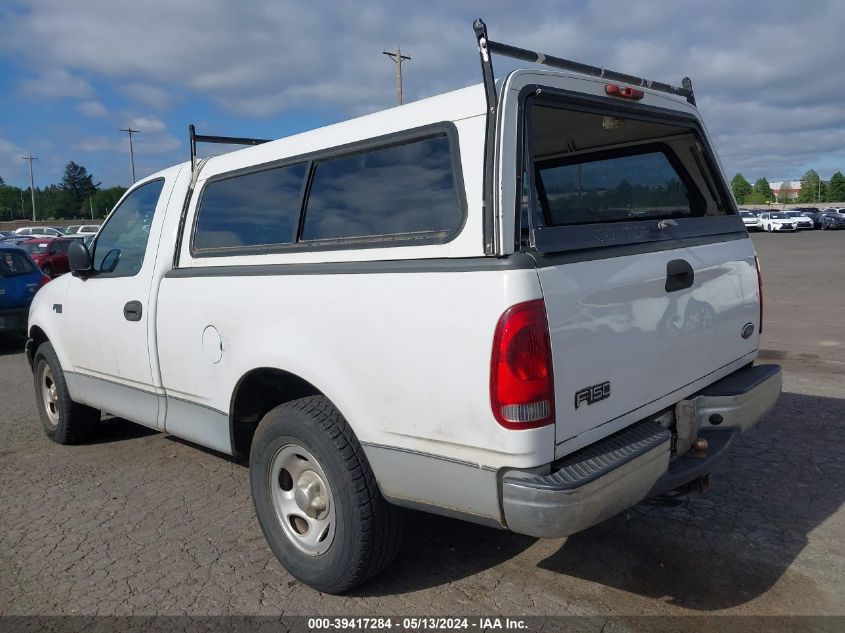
(87, 229)
(751, 220)
(39, 231)
(802, 220)
(776, 221)
(399, 333)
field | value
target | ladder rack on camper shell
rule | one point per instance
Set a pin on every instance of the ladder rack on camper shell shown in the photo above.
(195, 138)
(485, 47)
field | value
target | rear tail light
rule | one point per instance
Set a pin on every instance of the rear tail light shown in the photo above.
(521, 379)
(759, 292)
(626, 92)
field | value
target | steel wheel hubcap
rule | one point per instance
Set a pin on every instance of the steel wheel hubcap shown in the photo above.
(302, 499)
(49, 394)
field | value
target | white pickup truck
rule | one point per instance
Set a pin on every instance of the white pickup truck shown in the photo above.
(529, 304)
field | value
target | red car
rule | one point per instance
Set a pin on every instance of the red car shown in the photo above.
(50, 253)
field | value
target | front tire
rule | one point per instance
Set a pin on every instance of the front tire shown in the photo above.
(64, 420)
(316, 497)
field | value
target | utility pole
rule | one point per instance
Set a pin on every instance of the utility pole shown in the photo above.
(31, 158)
(130, 131)
(398, 58)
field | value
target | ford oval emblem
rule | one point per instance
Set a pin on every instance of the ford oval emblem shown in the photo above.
(747, 330)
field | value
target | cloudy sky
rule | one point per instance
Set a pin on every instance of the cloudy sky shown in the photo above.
(768, 75)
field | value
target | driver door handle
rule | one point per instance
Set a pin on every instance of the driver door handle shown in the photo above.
(132, 311)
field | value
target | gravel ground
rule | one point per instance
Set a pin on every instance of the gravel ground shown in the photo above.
(142, 523)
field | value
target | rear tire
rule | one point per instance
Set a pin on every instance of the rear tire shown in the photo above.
(47, 270)
(64, 420)
(316, 498)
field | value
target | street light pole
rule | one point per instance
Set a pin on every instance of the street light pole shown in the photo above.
(398, 58)
(130, 131)
(31, 158)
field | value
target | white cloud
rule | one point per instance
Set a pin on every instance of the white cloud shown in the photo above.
(92, 108)
(150, 95)
(57, 82)
(760, 68)
(148, 124)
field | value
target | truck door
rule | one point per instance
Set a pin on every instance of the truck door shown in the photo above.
(109, 312)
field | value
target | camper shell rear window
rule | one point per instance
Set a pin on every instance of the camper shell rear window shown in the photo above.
(597, 173)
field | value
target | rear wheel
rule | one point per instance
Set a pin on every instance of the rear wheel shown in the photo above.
(316, 497)
(64, 420)
(48, 270)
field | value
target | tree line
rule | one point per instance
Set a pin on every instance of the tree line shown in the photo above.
(75, 196)
(813, 189)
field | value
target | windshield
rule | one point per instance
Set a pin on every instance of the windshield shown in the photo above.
(778, 216)
(747, 214)
(35, 247)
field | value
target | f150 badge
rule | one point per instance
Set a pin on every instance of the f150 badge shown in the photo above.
(589, 395)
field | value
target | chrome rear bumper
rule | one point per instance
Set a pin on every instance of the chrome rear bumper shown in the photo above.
(615, 473)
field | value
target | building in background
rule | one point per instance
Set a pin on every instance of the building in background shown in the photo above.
(786, 190)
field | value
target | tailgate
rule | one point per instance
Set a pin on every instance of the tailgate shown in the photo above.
(621, 340)
(648, 275)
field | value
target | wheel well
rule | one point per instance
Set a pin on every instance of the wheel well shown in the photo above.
(38, 337)
(256, 393)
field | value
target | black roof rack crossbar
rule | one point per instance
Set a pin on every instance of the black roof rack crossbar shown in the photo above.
(486, 47)
(230, 140)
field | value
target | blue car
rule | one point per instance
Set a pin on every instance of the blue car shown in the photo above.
(20, 279)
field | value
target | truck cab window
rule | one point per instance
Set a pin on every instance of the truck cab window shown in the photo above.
(122, 242)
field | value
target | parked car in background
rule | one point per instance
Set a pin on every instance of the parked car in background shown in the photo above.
(87, 229)
(71, 230)
(49, 253)
(775, 221)
(20, 279)
(751, 220)
(15, 239)
(832, 219)
(802, 220)
(812, 213)
(36, 231)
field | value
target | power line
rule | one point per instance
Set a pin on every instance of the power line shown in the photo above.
(398, 58)
(31, 158)
(130, 131)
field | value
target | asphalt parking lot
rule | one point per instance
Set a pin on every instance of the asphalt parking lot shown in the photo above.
(142, 523)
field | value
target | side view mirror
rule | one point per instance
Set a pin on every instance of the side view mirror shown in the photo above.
(79, 260)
